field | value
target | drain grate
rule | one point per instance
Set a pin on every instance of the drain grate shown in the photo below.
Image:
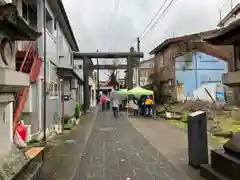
(107, 129)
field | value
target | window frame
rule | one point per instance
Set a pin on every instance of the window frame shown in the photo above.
(54, 90)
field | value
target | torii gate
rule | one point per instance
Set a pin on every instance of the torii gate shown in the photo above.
(131, 56)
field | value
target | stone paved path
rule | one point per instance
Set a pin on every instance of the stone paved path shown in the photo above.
(117, 151)
(169, 140)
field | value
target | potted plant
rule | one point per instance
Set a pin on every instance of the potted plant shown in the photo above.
(77, 113)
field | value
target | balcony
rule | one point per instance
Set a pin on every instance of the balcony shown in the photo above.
(13, 81)
(231, 78)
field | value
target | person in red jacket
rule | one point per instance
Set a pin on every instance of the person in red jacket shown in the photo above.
(103, 101)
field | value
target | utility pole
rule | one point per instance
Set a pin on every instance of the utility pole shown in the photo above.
(138, 65)
(231, 4)
(98, 81)
(44, 73)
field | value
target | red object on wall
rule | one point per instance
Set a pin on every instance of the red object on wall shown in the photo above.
(22, 131)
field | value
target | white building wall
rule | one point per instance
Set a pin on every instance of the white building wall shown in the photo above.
(58, 54)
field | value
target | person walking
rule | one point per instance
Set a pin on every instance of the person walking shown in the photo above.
(148, 105)
(103, 101)
(115, 104)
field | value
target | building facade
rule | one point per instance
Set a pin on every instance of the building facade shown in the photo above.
(145, 70)
(12, 81)
(202, 69)
(64, 85)
(182, 60)
(229, 37)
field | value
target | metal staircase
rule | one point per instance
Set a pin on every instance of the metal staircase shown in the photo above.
(26, 62)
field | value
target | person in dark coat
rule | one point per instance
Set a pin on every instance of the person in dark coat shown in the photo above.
(142, 104)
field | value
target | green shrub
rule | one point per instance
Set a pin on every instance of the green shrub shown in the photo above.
(81, 107)
(66, 119)
(77, 111)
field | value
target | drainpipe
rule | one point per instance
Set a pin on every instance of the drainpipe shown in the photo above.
(45, 73)
(62, 99)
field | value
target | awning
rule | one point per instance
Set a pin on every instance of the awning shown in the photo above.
(14, 25)
(68, 73)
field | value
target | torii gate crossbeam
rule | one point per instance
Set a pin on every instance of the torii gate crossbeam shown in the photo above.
(104, 55)
(108, 66)
(107, 55)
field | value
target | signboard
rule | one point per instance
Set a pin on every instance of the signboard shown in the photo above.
(220, 94)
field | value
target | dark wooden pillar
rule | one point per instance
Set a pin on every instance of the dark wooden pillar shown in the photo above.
(236, 90)
(86, 84)
(130, 70)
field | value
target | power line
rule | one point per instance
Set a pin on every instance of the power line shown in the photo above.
(159, 10)
(144, 33)
(112, 17)
(114, 11)
(165, 10)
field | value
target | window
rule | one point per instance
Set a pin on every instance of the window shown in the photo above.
(53, 89)
(71, 84)
(55, 28)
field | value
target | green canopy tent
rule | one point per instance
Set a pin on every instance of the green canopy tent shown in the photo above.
(121, 93)
(138, 91)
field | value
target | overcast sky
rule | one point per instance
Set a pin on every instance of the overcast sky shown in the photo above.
(90, 21)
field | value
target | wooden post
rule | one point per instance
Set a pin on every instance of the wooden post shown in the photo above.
(130, 69)
(86, 84)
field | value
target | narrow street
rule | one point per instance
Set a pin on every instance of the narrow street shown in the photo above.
(115, 150)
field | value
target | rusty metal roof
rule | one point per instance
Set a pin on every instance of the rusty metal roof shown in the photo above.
(14, 25)
(226, 36)
(185, 38)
